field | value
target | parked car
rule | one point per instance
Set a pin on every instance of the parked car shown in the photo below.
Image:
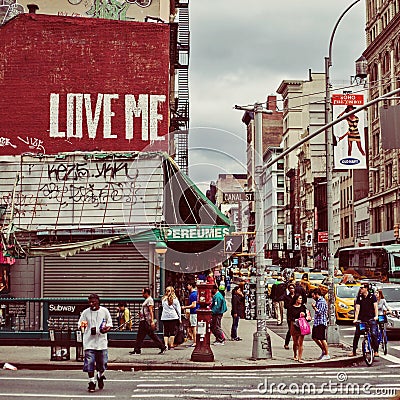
(345, 295)
(391, 291)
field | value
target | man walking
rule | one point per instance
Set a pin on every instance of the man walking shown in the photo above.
(147, 325)
(237, 311)
(94, 322)
(218, 307)
(193, 307)
(288, 300)
(366, 310)
(320, 323)
(278, 291)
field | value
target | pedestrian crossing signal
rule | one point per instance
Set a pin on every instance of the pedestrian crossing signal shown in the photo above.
(233, 244)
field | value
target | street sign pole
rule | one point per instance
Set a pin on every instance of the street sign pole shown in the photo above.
(261, 339)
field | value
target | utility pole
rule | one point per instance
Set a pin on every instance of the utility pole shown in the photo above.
(261, 339)
(333, 330)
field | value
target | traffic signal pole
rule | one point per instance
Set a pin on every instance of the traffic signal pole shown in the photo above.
(261, 339)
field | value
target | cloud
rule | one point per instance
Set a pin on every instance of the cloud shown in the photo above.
(241, 50)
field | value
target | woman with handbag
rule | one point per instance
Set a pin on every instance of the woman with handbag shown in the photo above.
(296, 311)
(171, 316)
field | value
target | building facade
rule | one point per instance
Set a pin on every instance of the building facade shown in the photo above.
(383, 56)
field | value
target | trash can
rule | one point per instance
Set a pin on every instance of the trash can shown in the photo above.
(79, 355)
(60, 340)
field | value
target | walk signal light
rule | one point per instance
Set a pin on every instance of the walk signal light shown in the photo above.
(396, 230)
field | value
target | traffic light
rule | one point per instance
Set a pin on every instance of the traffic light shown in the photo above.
(396, 230)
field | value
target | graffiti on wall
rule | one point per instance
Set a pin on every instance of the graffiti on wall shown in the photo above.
(76, 183)
(108, 9)
(78, 189)
(9, 9)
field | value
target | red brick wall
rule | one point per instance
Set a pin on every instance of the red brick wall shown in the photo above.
(41, 55)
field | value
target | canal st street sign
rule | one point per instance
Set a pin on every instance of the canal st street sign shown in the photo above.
(196, 233)
(235, 197)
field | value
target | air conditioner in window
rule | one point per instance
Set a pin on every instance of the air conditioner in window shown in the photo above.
(349, 202)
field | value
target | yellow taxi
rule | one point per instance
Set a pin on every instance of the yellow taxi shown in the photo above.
(311, 280)
(296, 277)
(324, 285)
(345, 295)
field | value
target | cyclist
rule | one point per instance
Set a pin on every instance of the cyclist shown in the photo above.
(366, 310)
(383, 307)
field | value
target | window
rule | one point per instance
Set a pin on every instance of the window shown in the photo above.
(375, 143)
(346, 227)
(388, 175)
(280, 198)
(377, 220)
(386, 63)
(389, 220)
(280, 181)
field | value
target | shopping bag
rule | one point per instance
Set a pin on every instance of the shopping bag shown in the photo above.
(304, 326)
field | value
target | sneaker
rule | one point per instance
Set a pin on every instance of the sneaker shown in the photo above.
(100, 381)
(321, 356)
(219, 343)
(326, 357)
(135, 352)
(352, 354)
(238, 339)
(92, 387)
(162, 351)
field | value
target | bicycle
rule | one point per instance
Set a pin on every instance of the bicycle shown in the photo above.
(367, 350)
(382, 336)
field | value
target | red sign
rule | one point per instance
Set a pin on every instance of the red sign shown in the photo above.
(347, 99)
(322, 237)
(83, 84)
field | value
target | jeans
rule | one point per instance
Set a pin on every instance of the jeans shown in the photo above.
(145, 329)
(95, 360)
(216, 327)
(374, 335)
(288, 336)
(235, 324)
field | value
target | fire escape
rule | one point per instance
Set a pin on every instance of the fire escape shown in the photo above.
(180, 109)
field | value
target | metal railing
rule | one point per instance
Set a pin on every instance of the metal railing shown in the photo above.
(28, 315)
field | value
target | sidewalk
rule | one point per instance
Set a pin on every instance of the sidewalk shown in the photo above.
(233, 355)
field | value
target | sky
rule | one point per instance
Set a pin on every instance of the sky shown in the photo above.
(240, 52)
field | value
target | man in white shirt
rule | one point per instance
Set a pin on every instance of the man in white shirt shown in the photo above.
(95, 322)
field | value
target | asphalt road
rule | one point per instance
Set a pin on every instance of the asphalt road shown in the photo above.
(298, 383)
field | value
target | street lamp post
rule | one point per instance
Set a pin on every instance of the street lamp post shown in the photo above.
(161, 248)
(333, 331)
(261, 339)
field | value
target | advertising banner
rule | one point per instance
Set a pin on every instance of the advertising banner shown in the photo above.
(83, 84)
(349, 152)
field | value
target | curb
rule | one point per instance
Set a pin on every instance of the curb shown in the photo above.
(337, 362)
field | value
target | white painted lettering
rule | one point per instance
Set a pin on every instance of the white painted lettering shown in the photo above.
(74, 104)
(107, 115)
(54, 110)
(133, 109)
(93, 120)
(155, 117)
